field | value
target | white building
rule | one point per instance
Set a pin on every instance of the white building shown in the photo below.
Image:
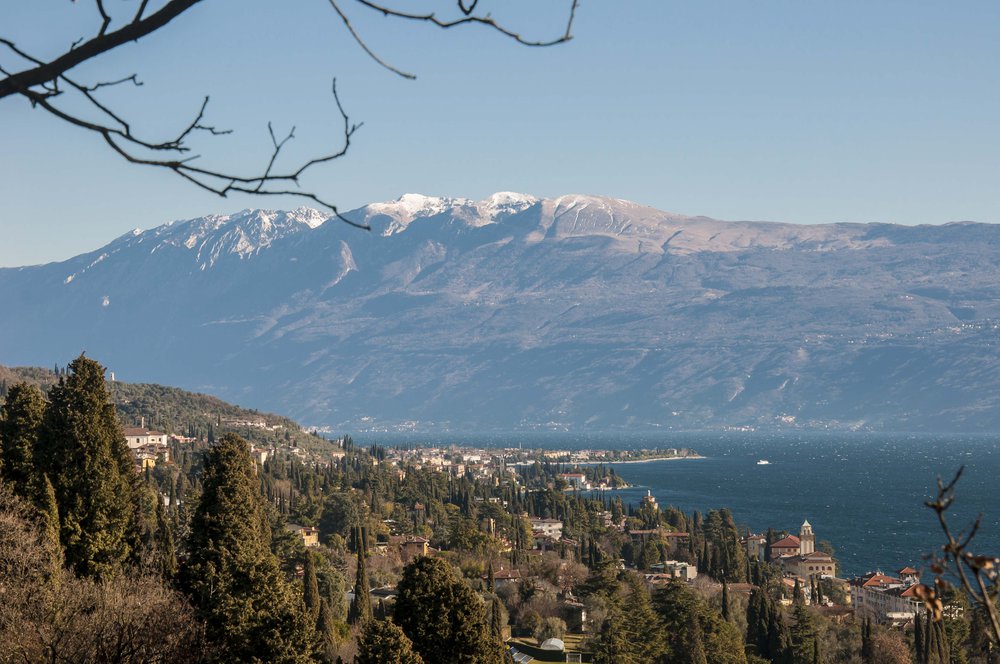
(137, 437)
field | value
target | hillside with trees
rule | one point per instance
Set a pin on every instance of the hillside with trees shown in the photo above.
(173, 410)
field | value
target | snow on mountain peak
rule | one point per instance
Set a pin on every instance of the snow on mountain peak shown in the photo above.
(505, 202)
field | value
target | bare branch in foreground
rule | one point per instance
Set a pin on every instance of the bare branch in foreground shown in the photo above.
(977, 574)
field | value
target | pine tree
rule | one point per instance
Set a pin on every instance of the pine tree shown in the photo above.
(251, 613)
(82, 450)
(310, 588)
(382, 642)
(612, 645)
(20, 420)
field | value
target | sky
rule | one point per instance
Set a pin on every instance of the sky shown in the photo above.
(783, 111)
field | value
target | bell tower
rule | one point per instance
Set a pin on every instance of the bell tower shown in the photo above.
(807, 540)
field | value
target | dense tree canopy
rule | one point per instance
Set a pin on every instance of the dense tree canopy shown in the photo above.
(443, 617)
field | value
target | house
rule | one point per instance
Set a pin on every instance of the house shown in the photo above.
(309, 534)
(885, 599)
(755, 545)
(410, 546)
(816, 563)
(575, 480)
(550, 528)
(137, 437)
(788, 546)
(676, 569)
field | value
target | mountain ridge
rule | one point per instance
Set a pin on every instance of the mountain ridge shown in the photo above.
(522, 312)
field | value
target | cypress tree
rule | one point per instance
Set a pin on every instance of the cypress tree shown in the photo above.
(497, 622)
(361, 605)
(327, 632)
(49, 511)
(165, 541)
(797, 592)
(20, 420)
(251, 613)
(867, 649)
(310, 588)
(725, 601)
(491, 583)
(918, 640)
(82, 450)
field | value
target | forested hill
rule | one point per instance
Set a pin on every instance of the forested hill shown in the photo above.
(174, 410)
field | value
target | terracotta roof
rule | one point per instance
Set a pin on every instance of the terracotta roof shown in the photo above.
(817, 555)
(137, 431)
(789, 542)
(907, 570)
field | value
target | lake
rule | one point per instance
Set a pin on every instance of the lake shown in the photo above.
(863, 492)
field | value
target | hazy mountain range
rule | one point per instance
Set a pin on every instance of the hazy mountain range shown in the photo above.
(517, 312)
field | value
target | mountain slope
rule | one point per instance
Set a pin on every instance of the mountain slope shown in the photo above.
(514, 311)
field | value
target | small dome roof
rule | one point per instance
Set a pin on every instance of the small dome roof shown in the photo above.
(553, 644)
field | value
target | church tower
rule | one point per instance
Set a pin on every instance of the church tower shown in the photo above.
(807, 540)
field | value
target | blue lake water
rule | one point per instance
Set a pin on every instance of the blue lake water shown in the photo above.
(864, 493)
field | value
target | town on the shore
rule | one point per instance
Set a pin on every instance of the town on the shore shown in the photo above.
(515, 541)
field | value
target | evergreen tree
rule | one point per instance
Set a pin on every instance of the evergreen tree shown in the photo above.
(498, 621)
(382, 642)
(725, 601)
(326, 631)
(310, 588)
(867, 648)
(82, 450)
(361, 605)
(49, 522)
(443, 616)
(695, 650)
(20, 420)
(803, 634)
(165, 541)
(251, 613)
(918, 640)
(612, 645)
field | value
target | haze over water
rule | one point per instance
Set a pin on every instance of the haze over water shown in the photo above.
(862, 492)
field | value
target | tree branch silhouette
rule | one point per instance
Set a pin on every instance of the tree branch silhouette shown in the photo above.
(46, 84)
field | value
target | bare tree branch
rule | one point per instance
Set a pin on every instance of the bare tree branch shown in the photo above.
(364, 46)
(977, 574)
(44, 84)
(468, 19)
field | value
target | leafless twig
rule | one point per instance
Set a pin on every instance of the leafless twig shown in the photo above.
(977, 574)
(46, 83)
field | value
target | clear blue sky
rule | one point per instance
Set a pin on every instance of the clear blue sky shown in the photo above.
(790, 111)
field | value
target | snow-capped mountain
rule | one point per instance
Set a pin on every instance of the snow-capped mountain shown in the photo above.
(516, 311)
